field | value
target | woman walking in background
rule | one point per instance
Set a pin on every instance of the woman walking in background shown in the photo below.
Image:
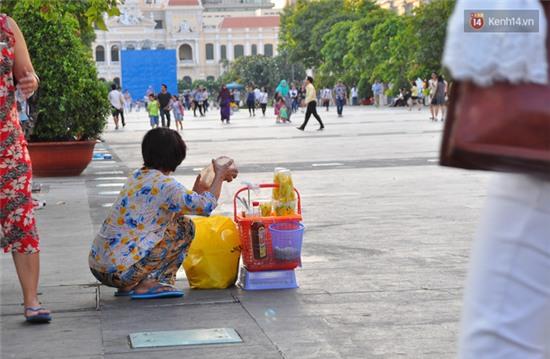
(224, 99)
(311, 103)
(251, 100)
(284, 91)
(18, 233)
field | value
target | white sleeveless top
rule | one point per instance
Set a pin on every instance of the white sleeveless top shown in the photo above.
(488, 57)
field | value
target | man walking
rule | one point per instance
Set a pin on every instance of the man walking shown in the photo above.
(311, 103)
(377, 91)
(164, 98)
(117, 105)
(340, 96)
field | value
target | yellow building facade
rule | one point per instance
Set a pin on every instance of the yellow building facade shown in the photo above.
(203, 33)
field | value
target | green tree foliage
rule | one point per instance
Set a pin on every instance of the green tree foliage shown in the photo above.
(88, 13)
(262, 71)
(72, 103)
(428, 29)
(303, 25)
(357, 41)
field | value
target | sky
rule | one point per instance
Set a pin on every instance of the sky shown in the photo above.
(278, 3)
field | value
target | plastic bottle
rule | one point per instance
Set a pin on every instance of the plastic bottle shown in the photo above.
(257, 232)
(255, 209)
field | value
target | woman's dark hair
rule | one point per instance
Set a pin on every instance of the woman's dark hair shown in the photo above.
(163, 149)
(310, 79)
(440, 78)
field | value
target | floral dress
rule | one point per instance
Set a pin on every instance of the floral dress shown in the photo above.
(146, 233)
(17, 224)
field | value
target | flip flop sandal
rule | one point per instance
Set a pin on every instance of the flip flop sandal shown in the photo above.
(157, 292)
(37, 318)
(123, 293)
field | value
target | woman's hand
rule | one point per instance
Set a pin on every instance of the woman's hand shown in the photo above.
(28, 84)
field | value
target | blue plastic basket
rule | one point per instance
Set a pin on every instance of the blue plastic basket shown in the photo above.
(286, 241)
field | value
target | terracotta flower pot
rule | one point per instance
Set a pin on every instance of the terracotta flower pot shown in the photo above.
(57, 159)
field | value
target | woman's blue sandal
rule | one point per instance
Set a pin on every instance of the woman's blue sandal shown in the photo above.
(157, 292)
(40, 318)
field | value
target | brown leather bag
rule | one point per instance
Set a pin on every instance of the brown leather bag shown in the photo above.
(503, 127)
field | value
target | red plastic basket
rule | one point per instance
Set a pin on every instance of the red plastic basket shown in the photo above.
(245, 223)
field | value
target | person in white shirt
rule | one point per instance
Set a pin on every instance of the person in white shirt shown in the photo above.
(354, 96)
(326, 95)
(117, 105)
(262, 99)
(294, 98)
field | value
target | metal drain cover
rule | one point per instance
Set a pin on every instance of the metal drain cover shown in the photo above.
(184, 337)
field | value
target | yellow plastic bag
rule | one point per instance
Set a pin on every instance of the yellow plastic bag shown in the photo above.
(213, 257)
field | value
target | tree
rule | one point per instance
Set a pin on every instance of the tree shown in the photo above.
(72, 103)
(262, 71)
(428, 29)
(297, 28)
(88, 13)
(334, 49)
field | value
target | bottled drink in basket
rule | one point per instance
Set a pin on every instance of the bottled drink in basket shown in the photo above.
(258, 234)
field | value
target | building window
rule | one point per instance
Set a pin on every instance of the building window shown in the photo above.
(115, 57)
(210, 78)
(238, 51)
(268, 50)
(100, 54)
(254, 50)
(185, 53)
(209, 51)
(187, 81)
(159, 24)
(161, 47)
(223, 52)
(130, 47)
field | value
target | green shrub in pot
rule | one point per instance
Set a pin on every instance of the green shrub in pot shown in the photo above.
(71, 102)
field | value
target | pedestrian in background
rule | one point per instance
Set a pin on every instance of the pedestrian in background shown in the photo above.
(178, 110)
(378, 92)
(263, 99)
(340, 96)
(294, 98)
(224, 100)
(284, 91)
(326, 95)
(153, 110)
(197, 102)
(311, 103)
(117, 105)
(18, 233)
(164, 98)
(354, 96)
(251, 100)
(432, 86)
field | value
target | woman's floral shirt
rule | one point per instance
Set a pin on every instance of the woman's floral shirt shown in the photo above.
(147, 203)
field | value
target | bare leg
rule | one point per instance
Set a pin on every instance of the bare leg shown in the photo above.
(433, 111)
(115, 118)
(28, 271)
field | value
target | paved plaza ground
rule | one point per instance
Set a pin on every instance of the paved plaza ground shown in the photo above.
(385, 251)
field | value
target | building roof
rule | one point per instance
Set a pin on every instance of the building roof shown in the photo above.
(183, 3)
(249, 22)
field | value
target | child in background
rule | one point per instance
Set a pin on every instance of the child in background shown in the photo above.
(283, 112)
(153, 109)
(279, 104)
(178, 110)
